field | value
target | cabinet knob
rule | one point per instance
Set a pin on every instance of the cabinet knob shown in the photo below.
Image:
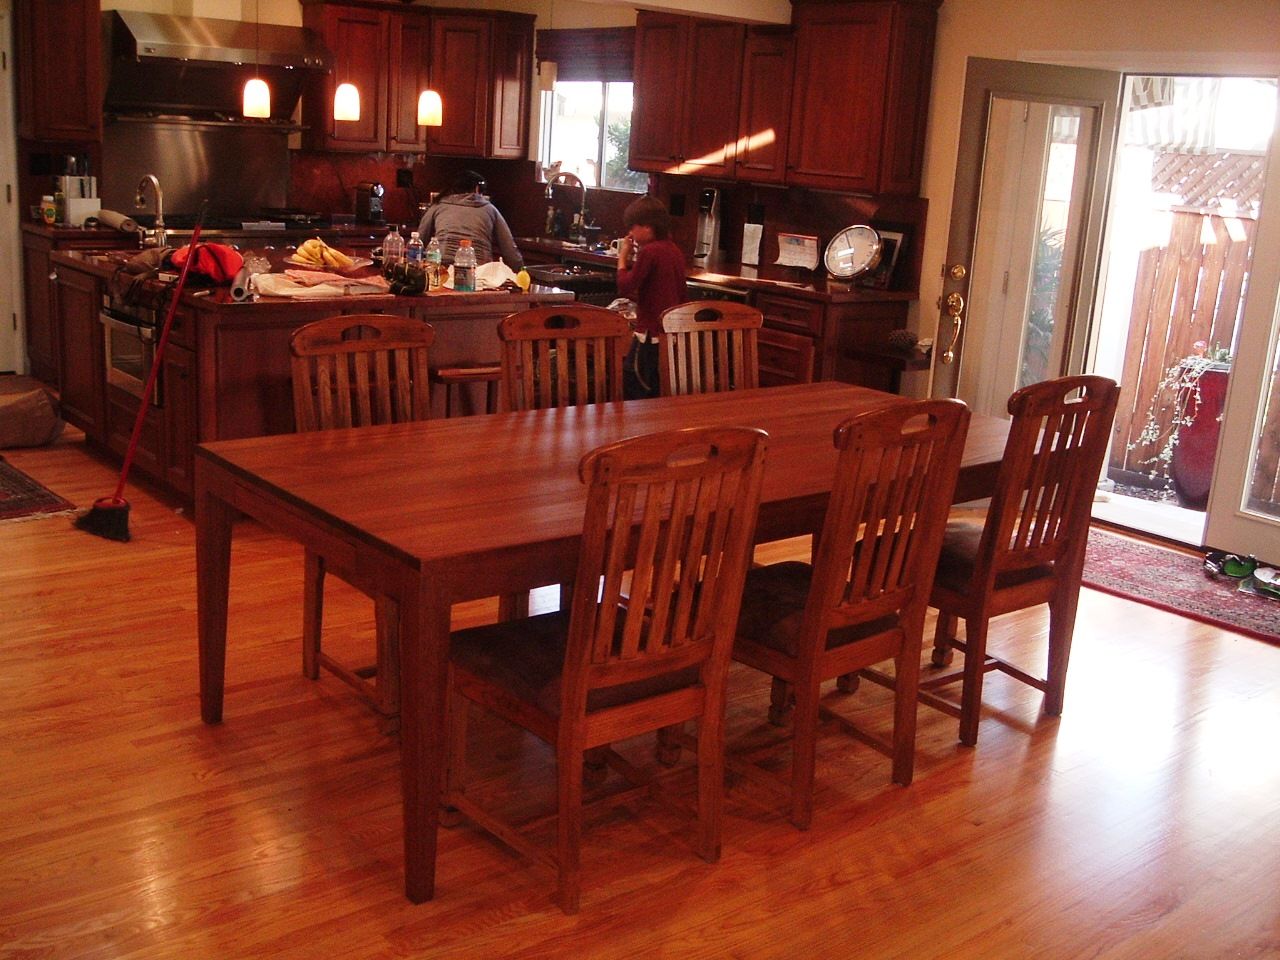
(53, 275)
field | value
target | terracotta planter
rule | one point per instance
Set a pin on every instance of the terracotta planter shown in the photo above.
(1191, 468)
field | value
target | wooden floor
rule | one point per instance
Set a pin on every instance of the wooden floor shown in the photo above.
(1144, 824)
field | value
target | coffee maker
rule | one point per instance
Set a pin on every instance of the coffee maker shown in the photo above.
(369, 201)
(707, 240)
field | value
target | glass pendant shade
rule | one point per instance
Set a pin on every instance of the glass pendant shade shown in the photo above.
(346, 102)
(257, 98)
(430, 109)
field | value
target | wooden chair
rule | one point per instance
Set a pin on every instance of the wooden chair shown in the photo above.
(709, 346)
(490, 374)
(863, 600)
(678, 509)
(354, 371)
(1030, 548)
(561, 356)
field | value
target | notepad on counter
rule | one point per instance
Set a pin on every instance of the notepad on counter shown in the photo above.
(797, 250)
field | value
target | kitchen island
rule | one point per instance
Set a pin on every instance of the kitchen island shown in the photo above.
(225, 372)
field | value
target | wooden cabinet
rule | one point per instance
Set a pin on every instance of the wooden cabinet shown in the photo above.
(785, 358)
(77, 300)
(178, 371)
(479, 62)
(58, 81)
(461, 73)
(41, 331)
(860, 97)
(358, 37)
(764, 114)
(409, 73)
(687, 78)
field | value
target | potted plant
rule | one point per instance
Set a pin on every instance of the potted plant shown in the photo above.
(1183, 422)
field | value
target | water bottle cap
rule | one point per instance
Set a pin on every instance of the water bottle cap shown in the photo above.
(415, 235)
(464, 243)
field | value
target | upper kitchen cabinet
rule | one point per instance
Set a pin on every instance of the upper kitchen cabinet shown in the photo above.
(460, 59)
(510, 102)
(409, 73)
(861, 94)
(687, 79)
(764, 115)
(359, 39)
(55, 103)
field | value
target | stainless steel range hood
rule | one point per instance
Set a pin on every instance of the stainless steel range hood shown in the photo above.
(158, 64)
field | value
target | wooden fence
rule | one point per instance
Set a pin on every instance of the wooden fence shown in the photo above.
(1187, 291)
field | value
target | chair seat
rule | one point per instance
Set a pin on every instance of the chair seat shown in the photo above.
(526, 658)
(959, 557)
(773, 604)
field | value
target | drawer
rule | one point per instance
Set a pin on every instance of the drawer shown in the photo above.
(785, 358)
(784, 313)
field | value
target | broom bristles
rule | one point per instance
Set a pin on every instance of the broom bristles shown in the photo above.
(107, 518)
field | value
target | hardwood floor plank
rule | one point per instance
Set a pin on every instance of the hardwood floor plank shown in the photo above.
(1141, 824)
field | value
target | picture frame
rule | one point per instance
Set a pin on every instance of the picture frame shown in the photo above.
(880, 277)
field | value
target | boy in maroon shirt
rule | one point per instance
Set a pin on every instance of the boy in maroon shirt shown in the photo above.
(651, 271)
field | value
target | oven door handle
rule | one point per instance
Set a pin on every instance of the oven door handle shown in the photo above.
(143, 331)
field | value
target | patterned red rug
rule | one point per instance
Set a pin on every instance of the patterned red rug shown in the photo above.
(1176, 582)
(21, 498)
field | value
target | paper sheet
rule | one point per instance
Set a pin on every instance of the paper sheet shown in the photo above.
(797, 250)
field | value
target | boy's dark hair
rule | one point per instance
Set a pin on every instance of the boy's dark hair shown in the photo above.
(466, 182)
(648, 212)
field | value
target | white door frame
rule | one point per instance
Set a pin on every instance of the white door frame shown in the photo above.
(1230, 525)
(13, 355)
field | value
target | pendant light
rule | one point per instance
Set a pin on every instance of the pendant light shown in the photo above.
(346, 102)
(430, 109)
(257, 96)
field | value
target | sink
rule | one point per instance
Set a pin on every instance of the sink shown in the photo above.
(557, 274)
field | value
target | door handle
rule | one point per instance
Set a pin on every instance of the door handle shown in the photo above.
(954, 308)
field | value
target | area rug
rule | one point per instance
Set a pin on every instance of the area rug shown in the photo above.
(21, 498)
(1176, 582)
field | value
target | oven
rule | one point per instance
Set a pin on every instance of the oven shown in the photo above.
(129, 337)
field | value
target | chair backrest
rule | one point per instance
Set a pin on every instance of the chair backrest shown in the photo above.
(562, 356)
(882, 534)
(710, 346)
(1040, 511)
(678, 510)
(359, 370)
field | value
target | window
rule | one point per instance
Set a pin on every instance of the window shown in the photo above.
(586, 130)
(586, 115)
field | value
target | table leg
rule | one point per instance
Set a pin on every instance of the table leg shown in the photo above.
(424, 662)
(214, 517)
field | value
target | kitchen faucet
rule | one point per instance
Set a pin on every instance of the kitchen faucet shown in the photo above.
(158, 234)
(573, 180)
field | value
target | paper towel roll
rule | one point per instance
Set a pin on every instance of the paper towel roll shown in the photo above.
(240, 285)
(117, 221)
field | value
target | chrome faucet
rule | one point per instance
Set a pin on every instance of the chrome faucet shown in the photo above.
(158, 235)
(573, 180)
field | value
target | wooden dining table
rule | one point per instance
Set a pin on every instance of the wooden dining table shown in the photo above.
(425, 515)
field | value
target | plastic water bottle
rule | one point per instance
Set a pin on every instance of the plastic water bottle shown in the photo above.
(392, 247)
(414, 251)
(435, 262)
(464, 267)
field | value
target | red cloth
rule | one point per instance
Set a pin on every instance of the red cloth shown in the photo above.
(655, 281)
(214, 263)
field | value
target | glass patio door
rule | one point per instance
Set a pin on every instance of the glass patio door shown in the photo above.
(1244, 503)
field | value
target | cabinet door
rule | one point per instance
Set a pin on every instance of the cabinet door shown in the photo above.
(180, 426)
(409, 73)
(512, 69)
(658, 78)
(42, 343)
(764, 115)
(357, 38)
(460, 72)
(54, 102)
(77, 299)
(842, 59)
(709, 127)
(907, 99)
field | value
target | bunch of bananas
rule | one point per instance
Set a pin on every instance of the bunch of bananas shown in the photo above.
(318, 252)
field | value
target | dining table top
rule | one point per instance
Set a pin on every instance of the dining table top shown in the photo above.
(432, 490)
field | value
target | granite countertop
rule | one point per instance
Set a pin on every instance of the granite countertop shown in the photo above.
(788, 281)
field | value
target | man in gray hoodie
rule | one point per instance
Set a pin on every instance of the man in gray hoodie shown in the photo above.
(466, 214)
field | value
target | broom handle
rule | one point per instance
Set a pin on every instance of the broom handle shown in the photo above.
(147, 391)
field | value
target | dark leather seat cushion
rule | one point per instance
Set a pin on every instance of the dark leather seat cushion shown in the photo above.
(526, 658)
(773, 605)
(959, 555)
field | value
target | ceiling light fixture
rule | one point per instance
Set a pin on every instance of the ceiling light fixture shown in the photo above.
(430, 109)
(257, 95)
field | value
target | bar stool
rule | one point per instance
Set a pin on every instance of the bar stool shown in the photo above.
(489, 375)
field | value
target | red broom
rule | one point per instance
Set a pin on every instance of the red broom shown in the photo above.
(109, 516)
